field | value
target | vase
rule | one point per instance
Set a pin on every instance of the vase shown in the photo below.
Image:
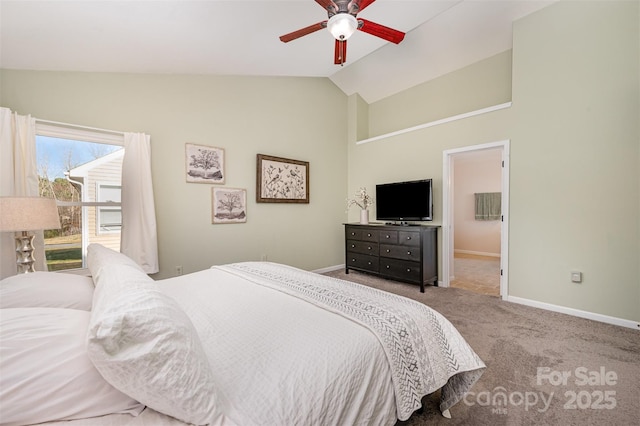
(364, 216)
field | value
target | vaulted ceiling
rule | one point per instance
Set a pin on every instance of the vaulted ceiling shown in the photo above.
(240, 37)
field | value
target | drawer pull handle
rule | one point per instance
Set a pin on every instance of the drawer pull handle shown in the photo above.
(387, 236)
(353, 233)
(369, 248)
(408, 238)
(368, 235)
(353, 260)
(388, 266)
(353, 245)
(369, 263)
(408, 269)
(388, 251)
(409, 253)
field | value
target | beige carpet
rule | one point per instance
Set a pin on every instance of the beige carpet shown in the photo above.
(516, 342)
(480, 274)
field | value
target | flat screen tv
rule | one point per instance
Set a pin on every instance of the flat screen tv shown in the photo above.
(405, 201)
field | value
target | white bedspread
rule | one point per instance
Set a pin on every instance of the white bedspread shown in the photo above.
(423, 349)
(283, 360)
(280, 360)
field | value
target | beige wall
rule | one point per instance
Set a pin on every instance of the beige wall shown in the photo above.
(484, 84)
(574, 144)
(575, 157)
(475, 172)
(298, 118)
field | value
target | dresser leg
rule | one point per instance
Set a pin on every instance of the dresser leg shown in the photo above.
(422, 287)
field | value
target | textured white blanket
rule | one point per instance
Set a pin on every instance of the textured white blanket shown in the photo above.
(279, 360)
(425, 352)
(337, 353)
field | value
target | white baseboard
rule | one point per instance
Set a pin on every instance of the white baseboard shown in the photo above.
(575, 312)
(328, 269)
(477, 253)
(541, 305)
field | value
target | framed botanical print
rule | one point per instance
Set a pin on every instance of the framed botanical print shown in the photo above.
(204, 164)
(282, 180)
(228, 205)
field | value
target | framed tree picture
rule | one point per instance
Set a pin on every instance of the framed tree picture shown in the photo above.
(281, 180)
(204, 164)
(228, 205)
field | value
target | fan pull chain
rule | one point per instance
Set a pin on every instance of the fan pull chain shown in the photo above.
(340, 54)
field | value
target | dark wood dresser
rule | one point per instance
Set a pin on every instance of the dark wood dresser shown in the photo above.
(406, 253)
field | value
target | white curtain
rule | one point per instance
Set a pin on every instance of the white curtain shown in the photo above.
(138, 239)
(18, 177)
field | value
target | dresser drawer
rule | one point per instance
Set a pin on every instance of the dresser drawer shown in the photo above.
(353, 233)
(402, 269)
(364, 262)
(389, 237)
(362, 234)
(405, 252)
(370, 235)
(363, 247)
(409, 238)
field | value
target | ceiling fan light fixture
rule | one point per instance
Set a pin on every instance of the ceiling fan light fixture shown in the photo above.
(342, 26)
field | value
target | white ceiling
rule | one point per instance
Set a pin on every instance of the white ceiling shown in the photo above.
(240, 37)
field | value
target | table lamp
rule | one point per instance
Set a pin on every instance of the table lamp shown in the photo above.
(23, 214)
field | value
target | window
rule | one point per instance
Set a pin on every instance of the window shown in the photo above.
(82, 170)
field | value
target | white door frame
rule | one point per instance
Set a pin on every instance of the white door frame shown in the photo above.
(447, 212)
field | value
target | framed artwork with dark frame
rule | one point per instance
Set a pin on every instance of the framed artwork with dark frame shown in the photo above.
(204, 164)
(281, 180)
(228, 205)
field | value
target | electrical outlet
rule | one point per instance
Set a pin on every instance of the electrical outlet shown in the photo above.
(576, 277)
(178, 270)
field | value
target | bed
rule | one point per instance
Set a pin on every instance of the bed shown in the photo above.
(251, 343)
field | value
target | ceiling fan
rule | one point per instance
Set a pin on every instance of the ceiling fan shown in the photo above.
(342, 23)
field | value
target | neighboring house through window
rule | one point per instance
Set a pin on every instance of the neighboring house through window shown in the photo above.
(109, 218)
(82, 170)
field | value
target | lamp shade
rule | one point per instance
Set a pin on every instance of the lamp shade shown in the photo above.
(28, 214)
(342, 25)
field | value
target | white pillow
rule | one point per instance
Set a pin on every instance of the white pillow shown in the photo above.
(99, 256)
(145, 345)
(45, 373)
(46, 289)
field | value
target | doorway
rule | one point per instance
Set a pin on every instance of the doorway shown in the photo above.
(485, 251)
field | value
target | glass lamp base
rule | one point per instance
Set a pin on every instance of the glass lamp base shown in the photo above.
(24, 253)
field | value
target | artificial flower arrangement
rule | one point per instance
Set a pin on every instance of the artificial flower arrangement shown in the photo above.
(362, 200)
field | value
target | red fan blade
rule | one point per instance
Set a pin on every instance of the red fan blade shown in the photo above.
(303, 31)
(365, 3)
(381, 31)
(340, 53)
(326, 4)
